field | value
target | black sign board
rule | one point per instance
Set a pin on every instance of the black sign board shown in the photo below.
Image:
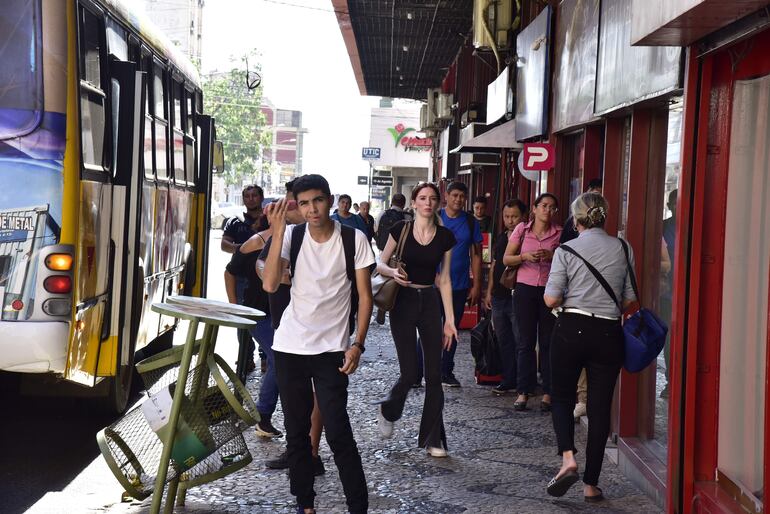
(382, 181)
(363, 180)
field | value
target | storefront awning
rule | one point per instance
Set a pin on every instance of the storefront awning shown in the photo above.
(492, 141)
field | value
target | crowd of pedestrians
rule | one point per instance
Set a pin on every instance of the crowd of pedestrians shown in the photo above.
(309, 270)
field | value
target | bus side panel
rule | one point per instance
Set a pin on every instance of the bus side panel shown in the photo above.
(148, 326)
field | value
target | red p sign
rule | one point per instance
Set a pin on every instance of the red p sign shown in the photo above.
(539, 156)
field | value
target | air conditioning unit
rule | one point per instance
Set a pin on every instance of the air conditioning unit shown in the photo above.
(492, 22)
(468, 160)
(444, 106)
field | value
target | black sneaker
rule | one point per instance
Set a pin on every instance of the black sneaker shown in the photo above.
(318, 466)
(503, 390)
(266, 429)
(450, 381)
(280, 462)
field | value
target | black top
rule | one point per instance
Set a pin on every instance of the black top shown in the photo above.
(498, 291)
(279, 300)
(569, 232)
(244, 265)
(241, 230)
(485, 223)
(369, 221)
(421, 262)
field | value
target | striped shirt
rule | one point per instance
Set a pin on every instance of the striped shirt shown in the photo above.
(571, 280)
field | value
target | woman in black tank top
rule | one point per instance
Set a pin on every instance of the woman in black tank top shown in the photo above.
(428, 245)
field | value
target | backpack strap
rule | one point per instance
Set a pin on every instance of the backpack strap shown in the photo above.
(349, 247)
(596, 274)
(297, 236)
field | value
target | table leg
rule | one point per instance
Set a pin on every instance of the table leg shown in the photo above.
(173, 420)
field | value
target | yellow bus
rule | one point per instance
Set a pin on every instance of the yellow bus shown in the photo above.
(105, 177)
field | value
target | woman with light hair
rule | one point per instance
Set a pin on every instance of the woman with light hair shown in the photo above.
(588, 335)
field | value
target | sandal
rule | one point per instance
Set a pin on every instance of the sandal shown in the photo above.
(521, 406)
(545, 406)
(558, 486)
(595, 498)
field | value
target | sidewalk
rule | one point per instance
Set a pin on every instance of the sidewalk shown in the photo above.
(500, 460)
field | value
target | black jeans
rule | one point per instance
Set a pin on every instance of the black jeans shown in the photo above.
(418, 310)
(294, 373)
(459, 297)
(597, 345)
(534, 324)
(504, 324)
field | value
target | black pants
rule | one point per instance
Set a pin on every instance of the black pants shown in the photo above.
(534, 324)
(418, 310)
(597, 345)
(294, 373)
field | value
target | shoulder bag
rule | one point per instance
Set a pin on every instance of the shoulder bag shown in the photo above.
(644, 333)
(385, 289)
(508, 278)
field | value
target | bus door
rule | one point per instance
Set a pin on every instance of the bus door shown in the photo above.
(115, 350)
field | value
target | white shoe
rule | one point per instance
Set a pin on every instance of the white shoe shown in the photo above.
(437, 452)
(580, 410)
(385, 426)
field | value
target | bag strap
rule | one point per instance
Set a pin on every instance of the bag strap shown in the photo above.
(630, 270)
(402, 239)
(349, 247)
(297, 236)
(596, 274)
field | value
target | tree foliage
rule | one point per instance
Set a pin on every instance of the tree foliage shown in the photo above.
(234, 98)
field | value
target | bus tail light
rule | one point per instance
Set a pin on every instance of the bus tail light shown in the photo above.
(58, 284)
(59, 262)
(17, 305)
(57, 307)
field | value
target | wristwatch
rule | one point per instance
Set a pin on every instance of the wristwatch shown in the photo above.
(360, 346)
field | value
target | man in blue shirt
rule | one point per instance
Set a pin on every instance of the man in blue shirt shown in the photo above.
(345, 217)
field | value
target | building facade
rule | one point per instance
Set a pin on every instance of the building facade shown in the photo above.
(668, 102)
(181, 21)
(282, 159)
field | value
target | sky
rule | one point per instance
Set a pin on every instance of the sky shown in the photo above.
(305, 67)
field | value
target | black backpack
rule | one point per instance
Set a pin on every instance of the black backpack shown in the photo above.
(486, 353)
(349, 247)
(389, 218)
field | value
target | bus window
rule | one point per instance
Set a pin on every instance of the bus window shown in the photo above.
(116, 40)
(190, 113)
(92, 97)
(161, 136)
(177, 105)
(158, 93)
(21, 99)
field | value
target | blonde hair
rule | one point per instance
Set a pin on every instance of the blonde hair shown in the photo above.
(590, 210)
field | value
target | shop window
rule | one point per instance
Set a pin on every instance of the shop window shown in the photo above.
(744, 323)
(625, 176)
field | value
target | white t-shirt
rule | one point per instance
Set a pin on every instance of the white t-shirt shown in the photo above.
(316, 320)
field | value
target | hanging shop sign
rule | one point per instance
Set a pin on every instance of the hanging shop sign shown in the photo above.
(627, 74)
(534, 43)
(538, 156)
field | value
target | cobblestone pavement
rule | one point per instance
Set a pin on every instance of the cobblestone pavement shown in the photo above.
(500, 460)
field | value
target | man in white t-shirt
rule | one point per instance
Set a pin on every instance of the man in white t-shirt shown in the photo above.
(311, 345)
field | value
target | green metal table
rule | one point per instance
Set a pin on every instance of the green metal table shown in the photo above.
(213, 314)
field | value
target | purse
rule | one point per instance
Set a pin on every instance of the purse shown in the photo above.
(385, 289)
(510, 273)
(644, 333)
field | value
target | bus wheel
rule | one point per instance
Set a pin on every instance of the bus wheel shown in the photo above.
(120, 387)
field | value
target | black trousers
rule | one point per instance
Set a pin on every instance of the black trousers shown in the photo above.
(534, 324)
(294, 373)
(418, 310)
(597, 345)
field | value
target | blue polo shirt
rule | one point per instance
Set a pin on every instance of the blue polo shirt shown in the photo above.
(353, 221)
(461, 252)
